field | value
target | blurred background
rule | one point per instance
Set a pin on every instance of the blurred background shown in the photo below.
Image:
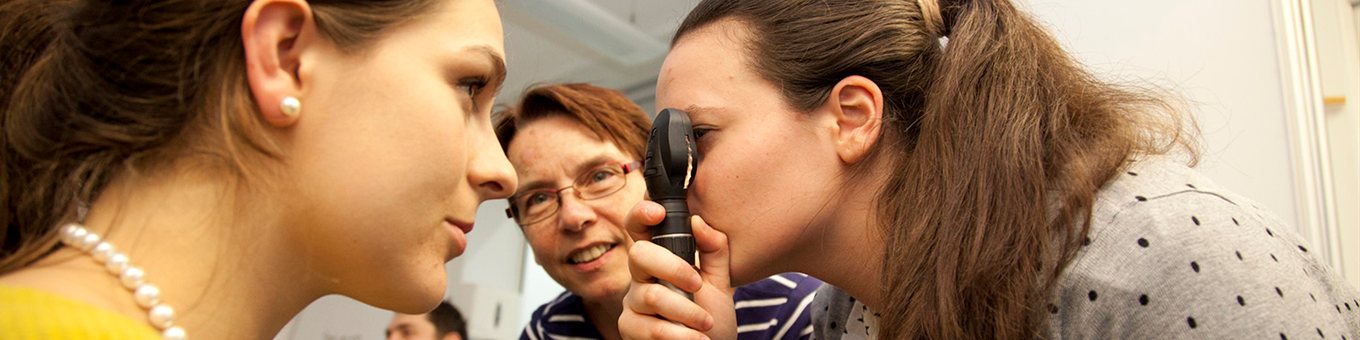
(1274, 85)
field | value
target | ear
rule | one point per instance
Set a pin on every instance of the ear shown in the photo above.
(452, 336)
(275, 33)
(856, 104)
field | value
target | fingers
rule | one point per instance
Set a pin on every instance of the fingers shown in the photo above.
(716, 296)
(652, 311)
(638, 326)
(649, 262)
(659, 301)
(642, 217)
(708, 240)
(714, 255)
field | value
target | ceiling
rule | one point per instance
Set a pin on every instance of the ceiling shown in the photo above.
(612, 43)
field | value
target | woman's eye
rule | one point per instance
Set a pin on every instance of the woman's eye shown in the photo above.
(700, 132)
(600, 176)
(473, 85)
(535, 199)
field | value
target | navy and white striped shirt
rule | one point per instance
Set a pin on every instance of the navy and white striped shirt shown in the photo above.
(773, 308)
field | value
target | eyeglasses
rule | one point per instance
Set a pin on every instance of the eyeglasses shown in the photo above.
(535, 206)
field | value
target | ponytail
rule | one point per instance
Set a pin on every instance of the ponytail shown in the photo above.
(998, 143)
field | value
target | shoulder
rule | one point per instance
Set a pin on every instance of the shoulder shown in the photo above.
(28, 312)
(831, 308)
(1170, 252)
(777, 307)
(784, 284)
(567, 302)
(563, 315)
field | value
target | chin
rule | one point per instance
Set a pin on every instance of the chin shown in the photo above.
(408, 299)
(601, 291)
(415, 304)
(742, 274)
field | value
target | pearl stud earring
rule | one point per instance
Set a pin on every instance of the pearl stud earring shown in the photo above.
(290, 106)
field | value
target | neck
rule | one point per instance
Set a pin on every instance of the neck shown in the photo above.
(854, 236)
(225, 274)
(604, 315)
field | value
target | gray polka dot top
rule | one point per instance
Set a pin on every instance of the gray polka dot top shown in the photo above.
(1172, 255)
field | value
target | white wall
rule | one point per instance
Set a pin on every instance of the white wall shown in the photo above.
(1220, 54)
(1339, 68)
(539, 288)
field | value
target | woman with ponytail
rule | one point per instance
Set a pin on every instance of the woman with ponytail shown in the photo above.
(954, 174)
(208, 167)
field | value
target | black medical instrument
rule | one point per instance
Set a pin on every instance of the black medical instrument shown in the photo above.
(668, 169)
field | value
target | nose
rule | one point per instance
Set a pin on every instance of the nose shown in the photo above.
(489, 171)
(574, 214)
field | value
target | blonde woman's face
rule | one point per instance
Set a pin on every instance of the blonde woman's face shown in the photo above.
(767, 171)
(394, 151)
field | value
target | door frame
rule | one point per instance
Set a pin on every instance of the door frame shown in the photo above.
(1308, 146)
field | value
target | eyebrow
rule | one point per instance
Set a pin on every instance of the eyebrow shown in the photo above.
(694, 110)
(497, 62)
(581, 168)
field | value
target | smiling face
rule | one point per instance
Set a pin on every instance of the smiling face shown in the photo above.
(584, 246)
(768, 171)
(393, 152)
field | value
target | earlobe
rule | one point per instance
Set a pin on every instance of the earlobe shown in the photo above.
(857, 104)
(275, 33)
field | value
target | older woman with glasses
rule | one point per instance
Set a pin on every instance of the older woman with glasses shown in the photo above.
(575, 148)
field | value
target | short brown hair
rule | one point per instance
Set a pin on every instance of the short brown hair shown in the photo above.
(606, 112)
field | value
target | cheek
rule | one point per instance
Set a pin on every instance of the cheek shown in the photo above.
(615, 210)
(755, 191)
(731, 170)
(544, 247)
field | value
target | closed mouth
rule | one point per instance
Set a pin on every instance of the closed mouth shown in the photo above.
(466, 227)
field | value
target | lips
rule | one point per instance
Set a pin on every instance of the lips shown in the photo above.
(457, 231)
(590, 253)
(466, 227)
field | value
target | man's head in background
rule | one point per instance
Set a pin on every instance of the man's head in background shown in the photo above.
(443, 323)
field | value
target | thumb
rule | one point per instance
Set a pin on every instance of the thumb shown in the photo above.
(714, 254)
(641, 218)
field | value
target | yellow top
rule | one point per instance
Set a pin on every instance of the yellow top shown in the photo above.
(27, 313)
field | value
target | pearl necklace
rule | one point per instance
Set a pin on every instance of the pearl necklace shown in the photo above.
(147, 295)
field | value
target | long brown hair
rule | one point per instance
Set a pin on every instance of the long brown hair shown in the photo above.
(997, 139)
(94, 89)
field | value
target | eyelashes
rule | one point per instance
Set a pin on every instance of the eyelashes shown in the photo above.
(474, 87)
(699, 132)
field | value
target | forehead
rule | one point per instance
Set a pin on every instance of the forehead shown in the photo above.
(555, 146)
(409, 319)
(705, 59)
(453, 26)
